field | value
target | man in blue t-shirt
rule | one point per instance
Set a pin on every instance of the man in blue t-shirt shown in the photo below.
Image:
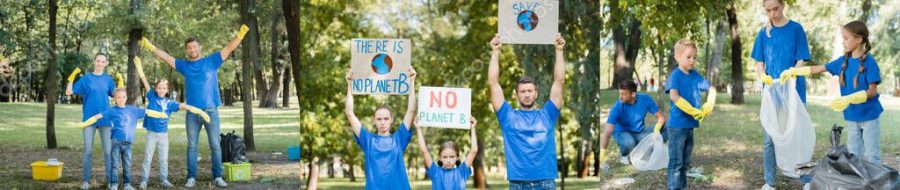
(201, 91)
(626, 120)
(383, 151)
(528, 133)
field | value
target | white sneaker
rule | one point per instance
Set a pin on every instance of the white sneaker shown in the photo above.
(113, 186)
(767, 187)
(806, 186)
(85, 185)
(143, 185)
(190, 183)
(128, 187)
(219, 182)
(624, 160)
(166, 184)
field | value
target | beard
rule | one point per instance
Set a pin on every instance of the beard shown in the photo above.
(526, 105)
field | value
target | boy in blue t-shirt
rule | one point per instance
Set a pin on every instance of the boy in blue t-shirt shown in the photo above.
(626, 120)
(684, 86)
(123, 120)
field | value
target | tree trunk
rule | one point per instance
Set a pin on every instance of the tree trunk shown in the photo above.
(248, 54)
(626, 52)
(480, 177)
(270, 99)
(352, 173)
(286, 90)
(712, 72)
(866, 7)
(134, 49)
(312, 182)
(737, 69)
(51, 78)
(291, 10)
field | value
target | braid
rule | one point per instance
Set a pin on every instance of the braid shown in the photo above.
(844, 68)
(862, 63)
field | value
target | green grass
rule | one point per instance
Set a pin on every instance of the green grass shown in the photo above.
(24, 142)
(494, 182)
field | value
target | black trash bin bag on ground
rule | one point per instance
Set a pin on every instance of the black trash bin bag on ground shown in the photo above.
(232, 148)
(841, 170)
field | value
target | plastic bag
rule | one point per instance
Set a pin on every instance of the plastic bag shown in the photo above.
(841, 170)
(783, 116)
(650, 154)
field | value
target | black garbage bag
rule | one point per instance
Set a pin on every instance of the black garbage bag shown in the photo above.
(841, 170)
(232, 148)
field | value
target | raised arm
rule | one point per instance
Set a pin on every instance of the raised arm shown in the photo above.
(140, 70)
(71, 80)
(348, 106)
(233, 44)
(411, 105)
(559, 73)
(493, 79)
(160, 54)
(473, 148)
(423, 148)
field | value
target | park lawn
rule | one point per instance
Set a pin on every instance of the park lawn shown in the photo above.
(24, 141)
(727, 146)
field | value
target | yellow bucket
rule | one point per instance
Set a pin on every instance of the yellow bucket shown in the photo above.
(41, 170)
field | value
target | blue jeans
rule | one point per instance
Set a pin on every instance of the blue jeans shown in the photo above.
(770, 165)
(87, 154)
(121, 151)
(627, 140)
(193, 124)
(546, 184)
(681, 144)
(863, 140)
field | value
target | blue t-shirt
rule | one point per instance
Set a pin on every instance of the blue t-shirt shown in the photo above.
(782, 50)
(96, 91)
(689, 87)
(123, 121)
(385, 168)
(869, 110)
(529, 141)
(448, 179)
(160, 104)
(201, 80)
(630, 117)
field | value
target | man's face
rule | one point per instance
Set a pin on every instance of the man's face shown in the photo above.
(193, 50)
(526, 93)
(627, 96)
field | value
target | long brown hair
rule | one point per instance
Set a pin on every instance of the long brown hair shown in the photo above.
(858, 29)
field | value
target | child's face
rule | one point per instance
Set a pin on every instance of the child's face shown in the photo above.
(851, 41)
(449, 158)
(162, 88)
(774, 10)
(686, 58)
(120, 97)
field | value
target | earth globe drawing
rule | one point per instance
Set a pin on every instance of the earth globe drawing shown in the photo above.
(382, 64)
(527, 20)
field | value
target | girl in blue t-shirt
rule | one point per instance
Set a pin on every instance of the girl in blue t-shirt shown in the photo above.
(448, 173)
(859, 79)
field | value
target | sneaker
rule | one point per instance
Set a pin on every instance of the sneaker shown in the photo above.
(190, 183)
(767, 187)
(220, 183)
(85, 185)
(113, 186)
(806, 186)
(128, 187)
(143, 185)
(166, 184)
(623, 160)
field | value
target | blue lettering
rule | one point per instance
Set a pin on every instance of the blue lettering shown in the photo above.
(518, 7)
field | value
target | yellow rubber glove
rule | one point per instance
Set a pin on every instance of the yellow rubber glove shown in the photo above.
(685, 106)
(74, 73)
(858, 97)
(657, 128)
(156, 114)
(147, 45)
(794, 72)
(242, 31)
(88, 122)
(843, 102)
(707, 108)
(602, 155)
(765, 79)
(840, 104)
(120, 81)
(198, 111)
(139, 66)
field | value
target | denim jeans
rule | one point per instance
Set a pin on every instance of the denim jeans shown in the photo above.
(770, 165)
(628, 140)
(547, 184)
(121, 154)
(863, 140)
(193, 124)
(154, 141)
(88, 151)
(681, 144)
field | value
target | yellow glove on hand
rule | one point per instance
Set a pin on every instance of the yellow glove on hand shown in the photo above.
(74, 73)
(88, 122)
(840, 104)
(602, 155)
(657, 128)
(794, 72)
(139, 66)
(685, 106)
(198, 112)
(120, 81)
(707, 108)
(147, 45)
(156, 114)
(858, 97)
(242, 31)
(765, 79)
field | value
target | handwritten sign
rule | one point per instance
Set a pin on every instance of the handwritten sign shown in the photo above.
(528, 21)
(444, 107)
(380, 66)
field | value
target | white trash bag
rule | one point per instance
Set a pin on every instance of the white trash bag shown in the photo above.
(650, 154)
(783, 116)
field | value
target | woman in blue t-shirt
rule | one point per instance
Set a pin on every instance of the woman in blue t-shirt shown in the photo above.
(95, 88)
(448, 173)
(859, 78)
